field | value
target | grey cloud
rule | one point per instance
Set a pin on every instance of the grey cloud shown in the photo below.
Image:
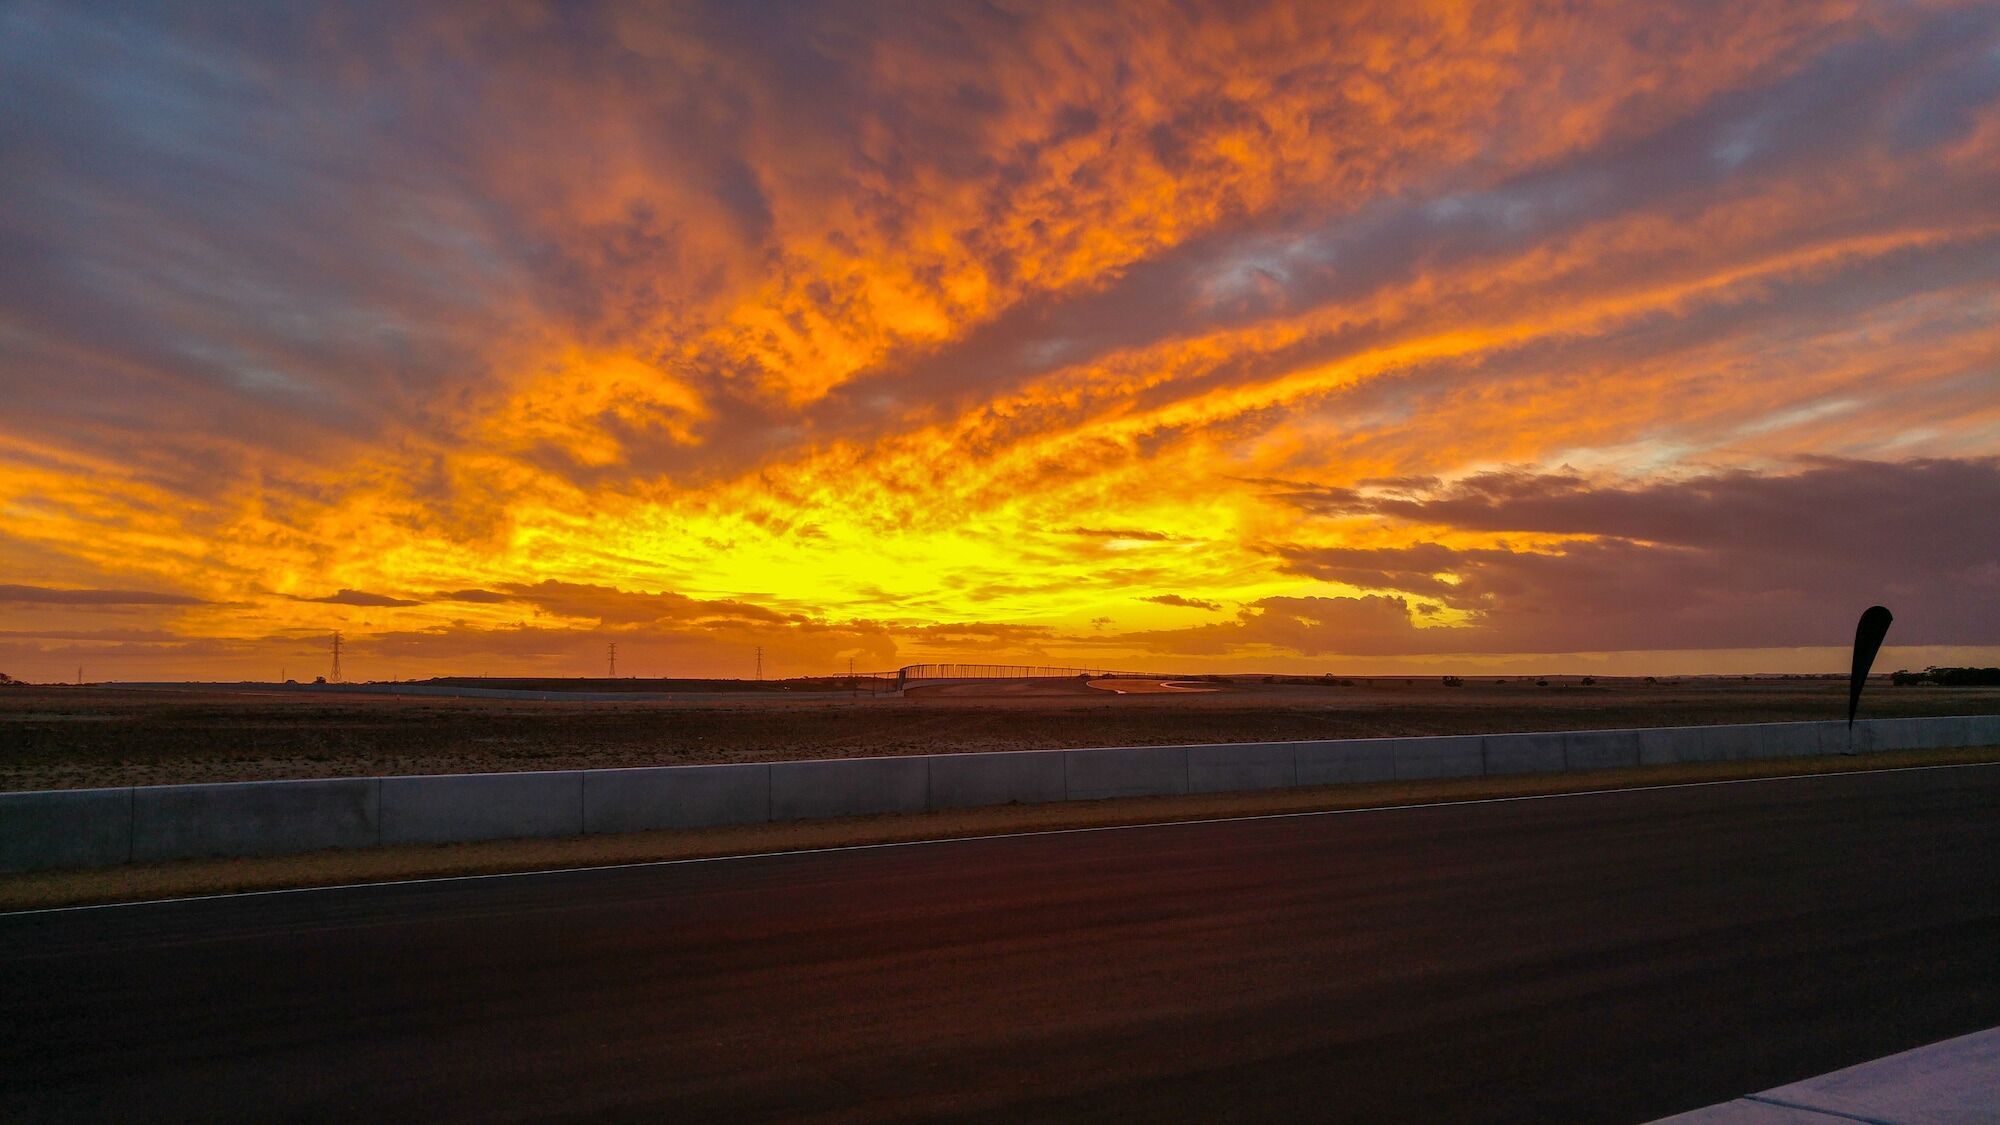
(1725, 560)
(1316, 261)
(1908, 515)
(46, 595)
(611, 605)
(357, 598)
(255, 259)
(258, 149)
(484, 597)
(1183, 602)
(1374, 624)
(141, 636)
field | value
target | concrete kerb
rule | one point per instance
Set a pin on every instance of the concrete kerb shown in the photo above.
(849, 787)
(448, 808)
(255, 818)
(651, 798)
(1127, 771)
(1239, 767)
(1026, 777)
(52, 828)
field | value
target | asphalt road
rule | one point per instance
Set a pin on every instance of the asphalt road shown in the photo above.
(1605, 957)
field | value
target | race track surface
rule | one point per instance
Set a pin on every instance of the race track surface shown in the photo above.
(1610, 957)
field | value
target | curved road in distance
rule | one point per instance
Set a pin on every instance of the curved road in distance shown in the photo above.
(1607, 957)
(1152, 687)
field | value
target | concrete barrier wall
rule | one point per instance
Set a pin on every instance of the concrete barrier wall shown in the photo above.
(1669, 746)
(1427, 759)
(447, 808)
(1914, 734)
(1234, 768)
(1348, 762)
(1026, 777)
(1523, 753)
(1757, 741)
(1600, 749)
(1125, 771)
(848, 787)
(644, 800)
(255, 818)
(100, 827)
(65, 828)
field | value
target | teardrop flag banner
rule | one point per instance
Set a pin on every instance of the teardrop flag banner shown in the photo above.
(1868, 636)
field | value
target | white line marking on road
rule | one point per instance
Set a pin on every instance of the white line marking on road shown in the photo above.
(996, 836)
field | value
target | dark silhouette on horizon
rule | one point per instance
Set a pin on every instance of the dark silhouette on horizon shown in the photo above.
(1868, 634)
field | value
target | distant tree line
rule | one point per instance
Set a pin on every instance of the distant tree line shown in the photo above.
(1948, 677)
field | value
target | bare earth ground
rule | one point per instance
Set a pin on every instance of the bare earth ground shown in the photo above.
(71, 737)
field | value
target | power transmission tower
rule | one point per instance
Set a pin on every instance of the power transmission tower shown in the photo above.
(612, 659)
(760, 662)
(334, 676)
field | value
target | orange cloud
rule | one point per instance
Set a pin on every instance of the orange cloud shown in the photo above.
(873, 335)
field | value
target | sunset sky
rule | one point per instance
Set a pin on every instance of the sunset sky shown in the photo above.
(1341, 337)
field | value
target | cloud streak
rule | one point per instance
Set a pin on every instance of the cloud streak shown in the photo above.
(42, 595)
(358, 598)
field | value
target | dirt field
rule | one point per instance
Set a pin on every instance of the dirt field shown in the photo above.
(67, 737)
